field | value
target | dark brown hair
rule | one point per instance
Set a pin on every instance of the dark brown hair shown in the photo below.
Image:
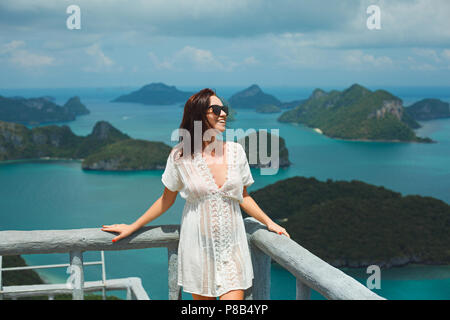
(195, 110)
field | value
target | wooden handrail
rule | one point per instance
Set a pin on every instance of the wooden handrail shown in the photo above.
(310, 271)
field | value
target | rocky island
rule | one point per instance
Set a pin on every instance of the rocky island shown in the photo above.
(356, 113)
(283, 152)
(156, 94)
(429, 109)
(106, 148)
(34, 111)
(254, 98)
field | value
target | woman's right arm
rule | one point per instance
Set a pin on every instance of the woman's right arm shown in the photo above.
(158, 208)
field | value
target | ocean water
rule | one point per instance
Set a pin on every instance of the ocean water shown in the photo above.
(43, 195)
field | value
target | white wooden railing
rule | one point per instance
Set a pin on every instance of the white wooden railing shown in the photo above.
(133, 286)
(310, 271)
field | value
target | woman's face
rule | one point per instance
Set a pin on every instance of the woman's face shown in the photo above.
(216, 122)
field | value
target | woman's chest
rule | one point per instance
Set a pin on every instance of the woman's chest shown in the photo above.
(218, 169)
(203, 175)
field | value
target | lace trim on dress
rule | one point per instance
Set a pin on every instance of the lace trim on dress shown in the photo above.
(226, 269)
(230, 268)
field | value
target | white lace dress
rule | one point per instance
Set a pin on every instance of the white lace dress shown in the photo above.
(213, 253)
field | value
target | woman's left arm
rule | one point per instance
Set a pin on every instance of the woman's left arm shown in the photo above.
(251, 207)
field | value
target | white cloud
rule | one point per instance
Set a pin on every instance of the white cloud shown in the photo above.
(260, 36)
(293, 50)
(54, 45)
(446, 54)
(250, 61)
(160, 65)
(230, 18)
(27, 59)
(101, 61)
(418, 23)
(11, 46)
(198, 59)
(427, 53)
(201, 59)
(18, 56)
(429, 59)
(423, 67)
(332, 24)
(358, 57)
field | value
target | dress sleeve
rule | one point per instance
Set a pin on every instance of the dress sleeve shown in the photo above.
(246, 175)
(171, 177)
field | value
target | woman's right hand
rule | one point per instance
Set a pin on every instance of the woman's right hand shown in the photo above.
(124, 230)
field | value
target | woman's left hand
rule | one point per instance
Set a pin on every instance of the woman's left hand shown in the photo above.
(272, 226)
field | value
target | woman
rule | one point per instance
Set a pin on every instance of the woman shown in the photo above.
(213, 254)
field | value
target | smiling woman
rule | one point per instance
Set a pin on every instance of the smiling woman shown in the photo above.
(213, 255)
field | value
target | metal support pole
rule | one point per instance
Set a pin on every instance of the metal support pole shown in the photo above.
(303, 292)
(261, 275)
(174, 288)
(102, 253)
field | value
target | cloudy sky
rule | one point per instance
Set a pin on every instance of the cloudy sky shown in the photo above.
(227, 42)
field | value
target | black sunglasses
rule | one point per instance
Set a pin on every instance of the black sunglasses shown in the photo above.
(217, 109)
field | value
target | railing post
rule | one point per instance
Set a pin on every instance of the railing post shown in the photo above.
(174, 288)
(76, 275)
(129, 296)
(303, 292)
(261, 275)
(102, 254)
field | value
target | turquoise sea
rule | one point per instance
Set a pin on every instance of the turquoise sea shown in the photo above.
(42, 195)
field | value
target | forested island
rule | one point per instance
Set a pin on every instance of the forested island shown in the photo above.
(155, 94)
(33, 111)
(355, 224)
(253, 98)
(250, 98)
(283, 153)
(356, 113)
(106, 148)
(429, 109)
(268, 108)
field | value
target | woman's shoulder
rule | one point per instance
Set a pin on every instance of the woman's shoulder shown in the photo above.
(237, 150)
(236, 146)
(233, 144)
(175, 152)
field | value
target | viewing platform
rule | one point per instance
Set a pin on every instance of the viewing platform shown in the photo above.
(310, 271)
